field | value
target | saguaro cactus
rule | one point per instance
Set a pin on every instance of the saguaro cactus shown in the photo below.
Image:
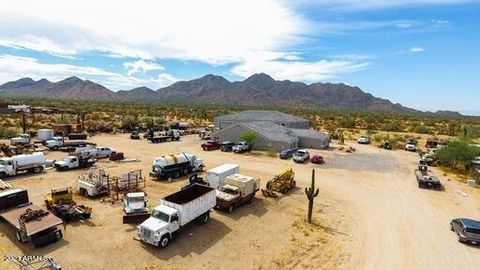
(311, 194)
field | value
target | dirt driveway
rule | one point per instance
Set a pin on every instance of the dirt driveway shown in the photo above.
(369, 215)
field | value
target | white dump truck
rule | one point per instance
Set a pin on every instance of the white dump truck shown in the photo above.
(176, 165)
(175, 211)
(217, 175)
(11, 166)
(237, 190)
(45, 134)
(21, 139)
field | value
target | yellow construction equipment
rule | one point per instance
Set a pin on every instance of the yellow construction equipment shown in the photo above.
(282, 183)
(61, 203)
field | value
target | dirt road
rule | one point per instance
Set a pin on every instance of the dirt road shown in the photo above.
(370, 214)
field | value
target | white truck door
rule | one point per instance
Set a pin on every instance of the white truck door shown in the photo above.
(174, 223)
(9, 168)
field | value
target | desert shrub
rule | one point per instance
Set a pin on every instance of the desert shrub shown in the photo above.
(347, 122)
(457, 154)
(421, 129)
(392, 127)
(130, 122)
(7, 132)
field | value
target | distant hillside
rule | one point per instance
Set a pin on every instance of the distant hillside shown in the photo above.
(259, 90)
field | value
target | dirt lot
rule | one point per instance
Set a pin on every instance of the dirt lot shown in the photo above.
(369, 215)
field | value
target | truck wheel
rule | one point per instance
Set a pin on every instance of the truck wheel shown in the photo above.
(185, 171)
(55, 148)
(36, 170)
(204, 218)
(176, 174)
(451, 227)
(459, 238)
(164, 241)
(230, 209)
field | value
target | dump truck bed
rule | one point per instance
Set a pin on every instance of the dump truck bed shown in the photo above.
(32, 227)
(191, 202)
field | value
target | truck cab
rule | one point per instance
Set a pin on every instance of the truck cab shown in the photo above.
(135, 202)
(6, 167)
(55, 143)
(69, 162)
(20, 140)
(158, 228)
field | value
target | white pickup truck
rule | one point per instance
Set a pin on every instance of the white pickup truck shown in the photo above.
(20, 140)
(73, 162)
(240, 147)
(301, 156)
(175, 211)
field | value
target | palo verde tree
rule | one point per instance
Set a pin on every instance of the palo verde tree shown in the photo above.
(311, 194)
(249, 137)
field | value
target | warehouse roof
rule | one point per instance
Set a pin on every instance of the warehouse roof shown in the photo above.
(271, 131)
(309, 133)
(258, 115)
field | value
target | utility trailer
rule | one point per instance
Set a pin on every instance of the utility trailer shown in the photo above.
(32, 224)
(172, 135)
(426, 178)
(175, 211)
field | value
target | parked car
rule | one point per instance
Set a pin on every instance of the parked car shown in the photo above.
(210, 145)
(301, 156)
(226, 146)
(364, 140)
(135, 135)
(467, 230)
(317, 159)
(411, 145)
(287, 153)
(240, 147)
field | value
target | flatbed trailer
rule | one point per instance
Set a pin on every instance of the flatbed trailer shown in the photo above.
(40, 231)
(426, 178)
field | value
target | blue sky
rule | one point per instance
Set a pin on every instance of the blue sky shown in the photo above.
(423, 54)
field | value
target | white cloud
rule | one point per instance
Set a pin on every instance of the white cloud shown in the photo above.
(298, 70)
(216, 31)
(417, 49)
(15, 67)
(141, 65)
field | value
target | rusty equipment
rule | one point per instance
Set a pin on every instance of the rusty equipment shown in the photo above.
(30, 215)
(282, 183)
(61, 203)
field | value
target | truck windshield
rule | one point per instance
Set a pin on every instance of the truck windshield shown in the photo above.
(230, 191)
(135, 199)
(160, 215)
(2, 162)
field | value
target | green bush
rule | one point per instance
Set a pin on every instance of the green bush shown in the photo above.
(421, 129)
(457, 154)
(347, 122)
(7, 132)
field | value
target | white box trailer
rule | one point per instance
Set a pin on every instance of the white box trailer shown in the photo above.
(45, 134)
(175, 211)
(217, 175)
